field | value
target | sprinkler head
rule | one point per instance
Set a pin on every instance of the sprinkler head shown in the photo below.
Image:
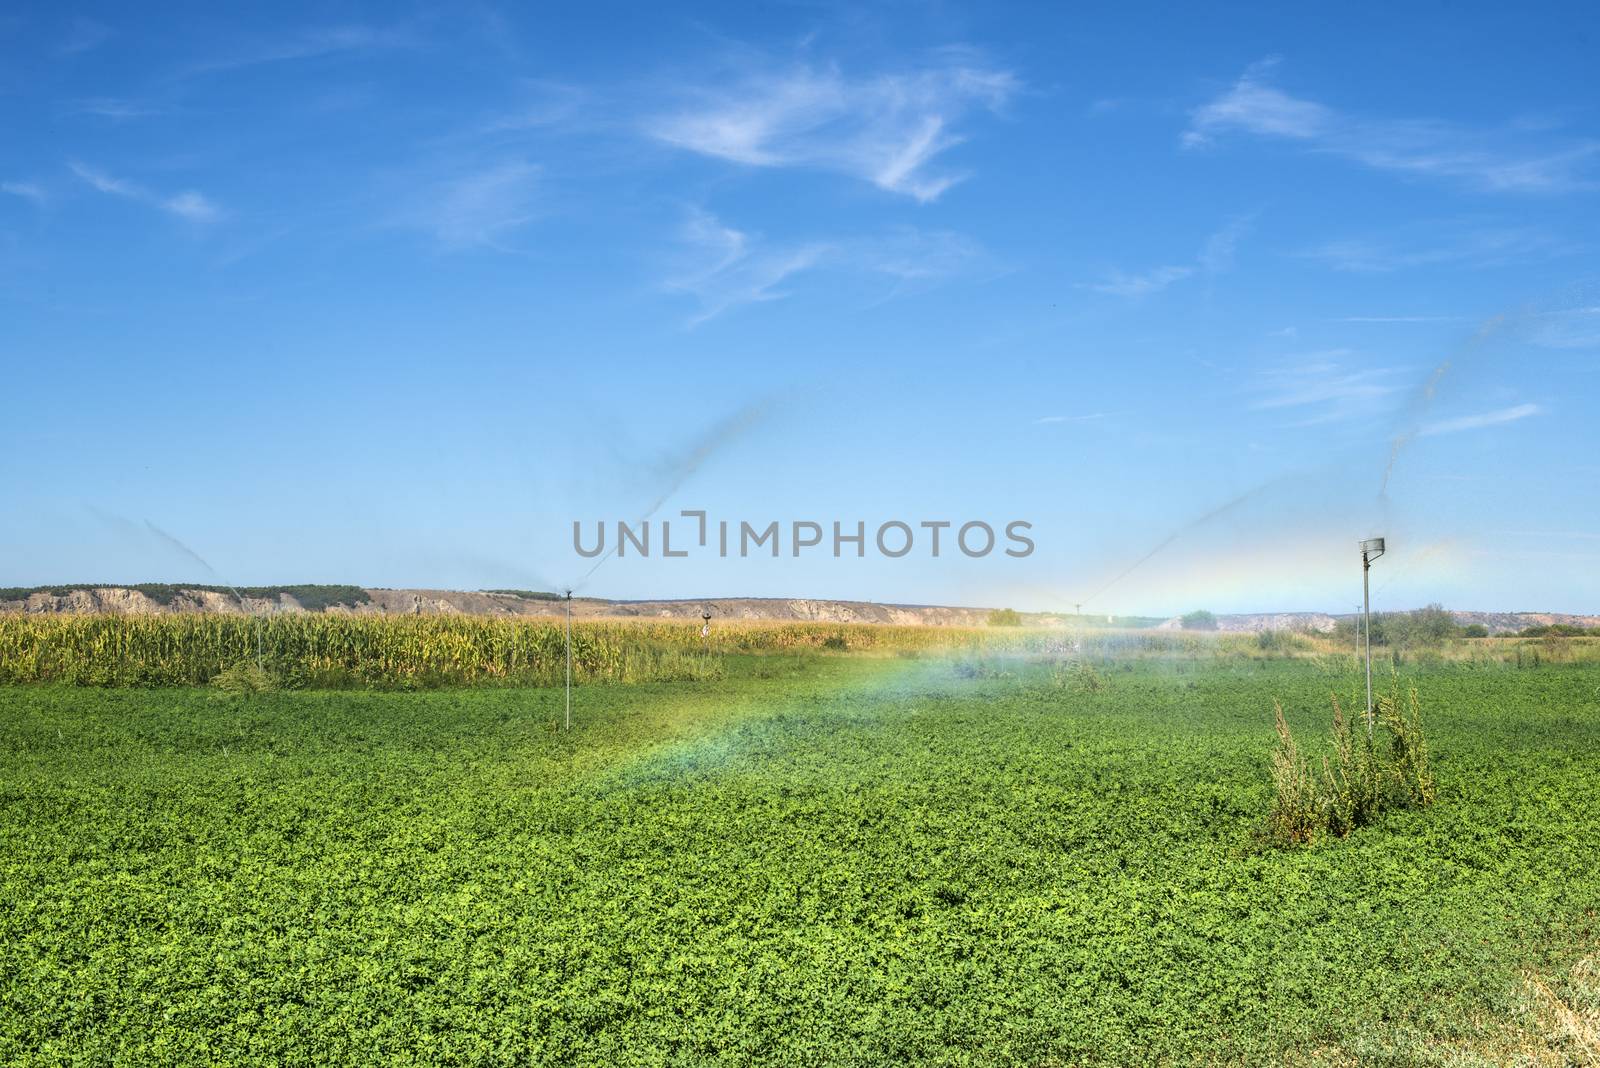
(1373, 545)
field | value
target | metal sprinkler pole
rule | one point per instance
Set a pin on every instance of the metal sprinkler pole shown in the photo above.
(569, 660)
(1371, 549)
(1366, 611)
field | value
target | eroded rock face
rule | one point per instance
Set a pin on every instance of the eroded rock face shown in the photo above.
(117, 600)
(121, 601)
(1251, 623)
(111, 600)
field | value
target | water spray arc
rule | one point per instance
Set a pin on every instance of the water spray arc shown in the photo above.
(677, 474)
(683, 467)
(1193, 524)
(244, 607)
(1371, 549)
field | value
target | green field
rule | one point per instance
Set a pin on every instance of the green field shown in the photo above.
(810, 860)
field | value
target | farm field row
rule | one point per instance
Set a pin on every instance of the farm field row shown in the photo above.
(820, 860)
(424, 652)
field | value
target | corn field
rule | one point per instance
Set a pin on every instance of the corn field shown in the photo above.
(317, 650)
(411, 651)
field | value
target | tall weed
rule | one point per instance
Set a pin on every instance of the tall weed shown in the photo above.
(1351, 786)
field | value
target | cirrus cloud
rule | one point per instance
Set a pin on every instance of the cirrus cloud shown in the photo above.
(887, 129)
(189, 204)
(1495, 160)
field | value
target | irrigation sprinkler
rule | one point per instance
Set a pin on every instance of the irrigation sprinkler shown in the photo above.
(1371, 549)
(569, 660)
(705, 624)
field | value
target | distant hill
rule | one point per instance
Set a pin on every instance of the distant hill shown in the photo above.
(151, 599)
(159, 598)
(1323, 622)
(1319, 622)
(1511, 622)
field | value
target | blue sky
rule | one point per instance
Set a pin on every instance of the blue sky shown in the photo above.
(393, 295)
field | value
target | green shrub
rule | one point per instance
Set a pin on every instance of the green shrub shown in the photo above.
(1555, 630)
(980, 668)
(1430, 625)
(1279, 641)
(1201, 620)
(1005, 617)
(1081, 676)
(246, 676)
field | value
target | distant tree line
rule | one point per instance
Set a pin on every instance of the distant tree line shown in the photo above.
(1559, 630)
(1433, 624)
(1424, 626)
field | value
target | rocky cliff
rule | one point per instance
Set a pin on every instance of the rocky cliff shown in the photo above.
(158, 599)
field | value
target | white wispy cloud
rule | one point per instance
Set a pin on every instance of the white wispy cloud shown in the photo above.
(310, 43)
(104, 183)
(723, 267)
(1122, 284)
(26, 190)
(737, 268)
(1495, 160)
(1466, 245)
(913, 259)
(188, 204)
(1478, 422)
(1324, 387)
(886, 129)
(1052, 420)
(540, 103)
(106, 107)
(1570, 328)
(192, 206)
(479, 207)
(1215, 257)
